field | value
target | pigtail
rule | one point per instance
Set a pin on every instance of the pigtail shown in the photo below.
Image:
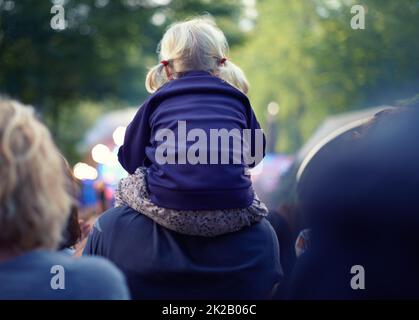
(156, 78)
(232, 74)
(193, 45)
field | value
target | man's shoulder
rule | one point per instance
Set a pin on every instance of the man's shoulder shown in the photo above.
(83, 278)
(114, 215)
(98, 268)
(87, 267)
(104, 280)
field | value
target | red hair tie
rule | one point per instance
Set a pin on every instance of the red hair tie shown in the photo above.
(166, 64)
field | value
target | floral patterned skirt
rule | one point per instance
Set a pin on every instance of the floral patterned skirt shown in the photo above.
(132, 191)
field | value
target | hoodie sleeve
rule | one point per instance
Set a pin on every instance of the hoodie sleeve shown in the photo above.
(257, 135)
(131, 154)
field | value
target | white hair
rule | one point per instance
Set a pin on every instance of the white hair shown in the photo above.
(34, 200)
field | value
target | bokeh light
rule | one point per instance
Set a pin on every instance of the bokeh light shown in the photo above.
(83, 171)
(119, 135)
(101, 154)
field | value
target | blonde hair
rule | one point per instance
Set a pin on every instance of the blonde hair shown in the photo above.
(34, 200)
(196, 44)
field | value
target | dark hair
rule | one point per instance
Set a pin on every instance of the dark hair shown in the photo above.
(72, 231)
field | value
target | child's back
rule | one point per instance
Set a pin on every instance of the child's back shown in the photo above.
(201, 122)
(189, 148)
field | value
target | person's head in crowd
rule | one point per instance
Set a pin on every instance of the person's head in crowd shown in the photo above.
(361, 199)
(72, 233)
(34, 207)
(34, 198)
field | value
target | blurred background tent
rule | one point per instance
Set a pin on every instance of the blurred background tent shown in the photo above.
(276, 187)
(108, 126)
(331, 128)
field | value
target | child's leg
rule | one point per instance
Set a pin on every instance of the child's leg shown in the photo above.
(132, 191)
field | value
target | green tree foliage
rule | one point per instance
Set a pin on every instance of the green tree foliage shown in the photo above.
(103, 54)
(305, 55)
(302, 54)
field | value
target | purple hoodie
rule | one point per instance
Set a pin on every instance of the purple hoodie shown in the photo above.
(203, 102)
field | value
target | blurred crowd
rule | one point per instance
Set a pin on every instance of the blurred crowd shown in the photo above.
(358, 205)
